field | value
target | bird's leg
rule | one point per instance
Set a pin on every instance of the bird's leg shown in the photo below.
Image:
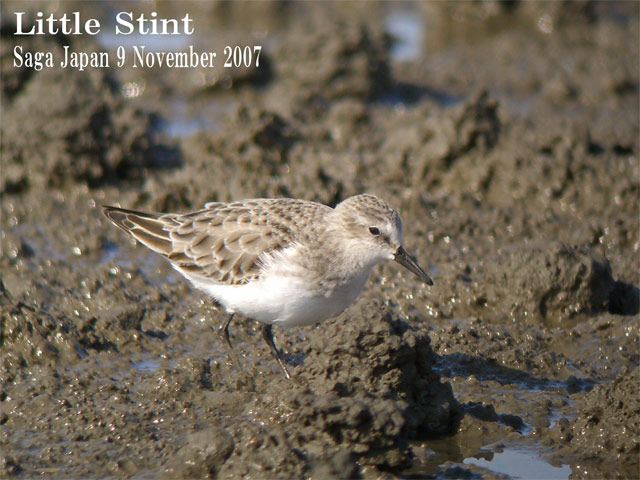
(223, 329)
(267, 334)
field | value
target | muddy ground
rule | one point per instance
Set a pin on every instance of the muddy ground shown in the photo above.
(507, 136)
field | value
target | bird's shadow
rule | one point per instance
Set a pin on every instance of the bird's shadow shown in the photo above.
(464, 365)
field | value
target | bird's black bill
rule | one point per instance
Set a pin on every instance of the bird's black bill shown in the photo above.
(403, 258)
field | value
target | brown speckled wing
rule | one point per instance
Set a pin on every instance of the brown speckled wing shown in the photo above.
(223, 242)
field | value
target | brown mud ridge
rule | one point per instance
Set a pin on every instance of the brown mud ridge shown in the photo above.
(510, 147)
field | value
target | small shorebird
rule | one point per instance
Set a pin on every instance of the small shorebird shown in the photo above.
(280, 261)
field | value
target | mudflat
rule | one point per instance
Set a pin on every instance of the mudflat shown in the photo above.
(506, 134)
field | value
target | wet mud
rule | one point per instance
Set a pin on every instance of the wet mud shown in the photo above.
(506, 134)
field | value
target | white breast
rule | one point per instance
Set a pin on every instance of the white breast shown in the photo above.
(285, 296)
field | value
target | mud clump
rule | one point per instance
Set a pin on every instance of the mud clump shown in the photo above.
(266, 450)
(336, 60)
(28, 334)
(86, 130)
(95, 315)
(201, 455)
(473, 125)
(552, 283)
(371, 388)
(365, 390)
(607, 430)
(434, 148)
(262, 141)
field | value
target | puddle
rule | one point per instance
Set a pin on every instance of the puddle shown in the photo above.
(404, 95)
(185, 127)
(183, 121)
(407, 30)
(146, 365)
(520, 464)
(40, 245)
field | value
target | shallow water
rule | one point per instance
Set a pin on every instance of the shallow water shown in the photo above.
(526, 465)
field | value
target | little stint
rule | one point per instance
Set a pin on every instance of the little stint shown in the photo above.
(280, 261)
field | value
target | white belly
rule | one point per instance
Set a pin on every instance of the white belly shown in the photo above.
(286, 301)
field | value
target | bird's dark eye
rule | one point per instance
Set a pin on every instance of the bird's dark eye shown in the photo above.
(374, 231)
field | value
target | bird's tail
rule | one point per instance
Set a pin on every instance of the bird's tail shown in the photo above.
(147, 228)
